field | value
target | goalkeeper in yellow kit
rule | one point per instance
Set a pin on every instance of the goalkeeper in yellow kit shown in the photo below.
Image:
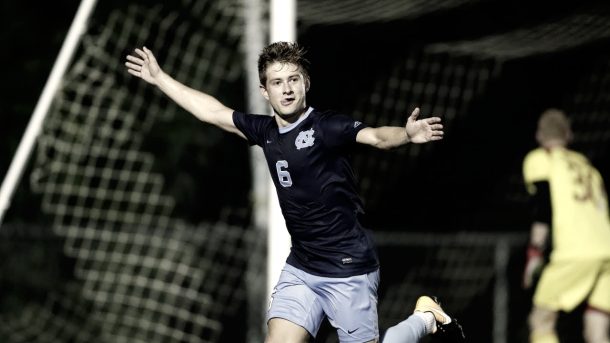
(571, 224)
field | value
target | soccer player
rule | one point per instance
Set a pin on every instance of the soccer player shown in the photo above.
(572, 226)
(333, 269)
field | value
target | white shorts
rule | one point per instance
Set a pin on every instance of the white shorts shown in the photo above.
(350, 303)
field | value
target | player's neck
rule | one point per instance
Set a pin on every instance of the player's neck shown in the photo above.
(285, 120)
(555, 143)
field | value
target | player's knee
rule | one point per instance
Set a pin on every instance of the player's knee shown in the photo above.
(285, 339)
(542, 320)
(284, 331)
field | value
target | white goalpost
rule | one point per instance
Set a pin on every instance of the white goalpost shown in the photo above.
(26, 145)
(282, 28)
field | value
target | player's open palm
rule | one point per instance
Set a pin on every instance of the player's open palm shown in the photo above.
(423, 130)
(145, 67)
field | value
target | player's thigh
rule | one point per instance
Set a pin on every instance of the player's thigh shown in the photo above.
(350, 305)
(600, 296)
(564, 285)
(292, 300)
(284, 331)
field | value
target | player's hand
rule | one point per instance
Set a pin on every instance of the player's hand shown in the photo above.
(423, 130)
(533, 267)
(145, 67)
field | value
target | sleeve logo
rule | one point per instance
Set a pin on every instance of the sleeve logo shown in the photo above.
(305, 139)
(356, 124)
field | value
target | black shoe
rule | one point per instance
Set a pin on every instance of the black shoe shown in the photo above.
(451, 332)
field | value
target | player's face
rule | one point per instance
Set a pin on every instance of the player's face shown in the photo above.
(285, 89)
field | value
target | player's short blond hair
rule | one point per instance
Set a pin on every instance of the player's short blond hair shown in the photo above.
(283, 52)
(553, 124)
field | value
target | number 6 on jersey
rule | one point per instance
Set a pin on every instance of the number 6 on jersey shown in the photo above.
(283, 175)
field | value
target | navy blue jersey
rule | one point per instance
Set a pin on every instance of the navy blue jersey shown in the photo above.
(310, 165)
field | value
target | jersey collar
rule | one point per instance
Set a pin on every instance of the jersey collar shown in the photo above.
(296, 123)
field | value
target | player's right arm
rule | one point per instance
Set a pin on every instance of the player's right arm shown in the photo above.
(203, 106)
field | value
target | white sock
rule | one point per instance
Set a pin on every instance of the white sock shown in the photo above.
(429, 319)
(411, 330)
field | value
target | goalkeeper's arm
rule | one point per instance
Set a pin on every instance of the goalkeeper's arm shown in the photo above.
(540, 234)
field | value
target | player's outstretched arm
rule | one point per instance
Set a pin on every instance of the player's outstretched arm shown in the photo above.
(201, 105)
(390, 137)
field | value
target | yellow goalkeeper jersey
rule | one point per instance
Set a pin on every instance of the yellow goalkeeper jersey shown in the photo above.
(581, 226)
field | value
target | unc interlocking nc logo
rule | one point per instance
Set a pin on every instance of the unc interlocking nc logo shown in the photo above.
(305, 139)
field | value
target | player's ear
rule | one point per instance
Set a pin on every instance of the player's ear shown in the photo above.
(264, 91)
(307, 84)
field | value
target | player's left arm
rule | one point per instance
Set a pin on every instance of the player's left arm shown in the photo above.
(535, 259)
(540, 233)
(391, 137)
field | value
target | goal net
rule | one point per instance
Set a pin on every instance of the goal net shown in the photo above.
(141, 272)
